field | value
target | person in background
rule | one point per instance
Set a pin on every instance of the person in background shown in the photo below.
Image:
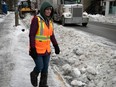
(40, 35)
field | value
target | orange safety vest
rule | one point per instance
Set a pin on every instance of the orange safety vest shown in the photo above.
(42, 38)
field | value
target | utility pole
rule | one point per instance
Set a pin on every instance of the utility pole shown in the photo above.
(16, 13)
(36, 4)
(36, 7)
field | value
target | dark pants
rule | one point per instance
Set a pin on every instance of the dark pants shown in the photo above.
(42, 63)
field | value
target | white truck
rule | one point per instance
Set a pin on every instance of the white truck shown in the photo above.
(69, 12)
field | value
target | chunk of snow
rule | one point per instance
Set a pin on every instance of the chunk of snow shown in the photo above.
(77, 83)
(76, 72)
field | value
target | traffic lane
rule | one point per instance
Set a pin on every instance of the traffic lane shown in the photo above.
(107, 25)
(104, 30)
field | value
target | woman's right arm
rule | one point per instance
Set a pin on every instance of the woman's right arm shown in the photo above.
(33, 30)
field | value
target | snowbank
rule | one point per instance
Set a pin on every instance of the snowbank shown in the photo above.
(102, 18)
(84, 61)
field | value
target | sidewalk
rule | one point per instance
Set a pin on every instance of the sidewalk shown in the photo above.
(15, 63)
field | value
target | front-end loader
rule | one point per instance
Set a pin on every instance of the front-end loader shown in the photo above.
(25, 7)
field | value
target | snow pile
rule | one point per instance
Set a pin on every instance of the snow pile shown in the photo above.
(102, 18)
(82, 61)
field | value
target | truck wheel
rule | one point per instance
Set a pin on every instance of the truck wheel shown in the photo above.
(63, 21)
(84, 24)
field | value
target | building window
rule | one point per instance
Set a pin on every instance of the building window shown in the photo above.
(112, 8)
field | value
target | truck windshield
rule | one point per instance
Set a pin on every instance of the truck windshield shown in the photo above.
(24, 4)
(72, 1)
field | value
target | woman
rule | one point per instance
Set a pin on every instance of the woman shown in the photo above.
(41, 33)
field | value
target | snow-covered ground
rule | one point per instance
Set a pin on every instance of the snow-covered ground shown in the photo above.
(2, 16)
(13, 54)
(83, 61)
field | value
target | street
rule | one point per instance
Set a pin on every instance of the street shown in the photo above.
(100, 29)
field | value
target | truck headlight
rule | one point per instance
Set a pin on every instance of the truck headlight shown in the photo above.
(85, 14)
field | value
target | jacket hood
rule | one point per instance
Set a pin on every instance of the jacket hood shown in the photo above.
(43, 7)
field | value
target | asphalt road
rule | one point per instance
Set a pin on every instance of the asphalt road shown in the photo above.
(107, 31)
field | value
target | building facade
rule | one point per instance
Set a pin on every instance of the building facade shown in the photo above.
(110, 7)
(105, 7)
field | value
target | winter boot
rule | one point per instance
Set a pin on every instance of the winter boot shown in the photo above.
(33, 78)
(43, 80)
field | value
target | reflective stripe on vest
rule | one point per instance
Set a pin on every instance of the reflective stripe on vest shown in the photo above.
(41, 27)
(42, 38)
